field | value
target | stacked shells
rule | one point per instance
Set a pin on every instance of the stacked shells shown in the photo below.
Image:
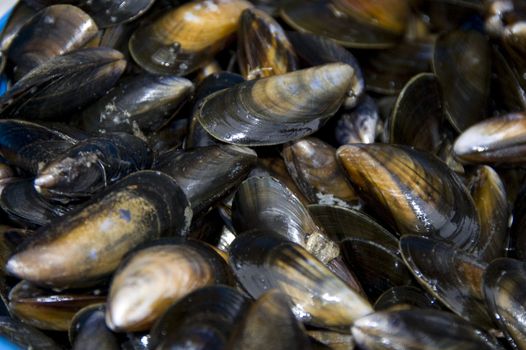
(233, 174)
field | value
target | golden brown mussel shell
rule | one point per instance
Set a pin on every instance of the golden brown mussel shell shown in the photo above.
(49, 310)
(462, 65)
(54, 31)
(352, 23)
(498, 140)
(489, 195)
(420, 329)
(187, 37)
(263, 48)
(262, 261)
(452, 276)
(86, 246)
(312, 164)
(153, 278)
(277, 109)
(504, 282)
(413, 191)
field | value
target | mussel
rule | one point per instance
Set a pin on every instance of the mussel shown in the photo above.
(87, 245)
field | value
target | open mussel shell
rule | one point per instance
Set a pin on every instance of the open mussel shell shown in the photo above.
(86, 246)
(504, 282)
(388, 71)
(187, 37)
(264, 203)
(341, 223)
(52, 32)
(405, 297)
(269, 324)
(204, 319)
(452, 276)
(93, 164)
(489, 195)
(27, 145)
(358, 125)
(462, 64)
(24, 205)
(88, 330)
(23, 336)
(277, 109)
(110, 13)
(317, 50)
(262, 261)
(207, 174)
(312, 164)
(46, 309)
(418, 114)
(263, 48)
(376, 267)
(63, 84)
(142, 103)
(413, 191)
(154, 278)
(419, 329)
(353, 23)
(498, 140)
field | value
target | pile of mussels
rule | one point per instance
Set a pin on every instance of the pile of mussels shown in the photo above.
(225, 174)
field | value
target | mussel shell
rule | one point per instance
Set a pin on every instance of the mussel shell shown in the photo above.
(318, 50)
(27, 145)
(277, 109)
(312, 164)
(341, 223)
(419, 329)
(506, 86)
(269, 323)
(498, 140)
(503, 288)
(22, 335)
(264, 203)
(88, 330)
(143, 103)
(206, 174)
(110, 13)
(387, 71)
(489, 195)
(358, 125)
(418, 114)
(19, 15)
(49, 310)
(52, 32)
(204, 319)
(185, 38)
(153, 278)
(354, 23)
(86, 246)
(452, 276)
(263, 48)
(24, 205)
(93, 164)
(376, 268)
(462, 64)
(413, 191)
(63, 84)
(330, 340)
(262, 261)
(405, 297)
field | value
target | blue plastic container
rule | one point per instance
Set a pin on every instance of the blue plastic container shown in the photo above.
(3, 79)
